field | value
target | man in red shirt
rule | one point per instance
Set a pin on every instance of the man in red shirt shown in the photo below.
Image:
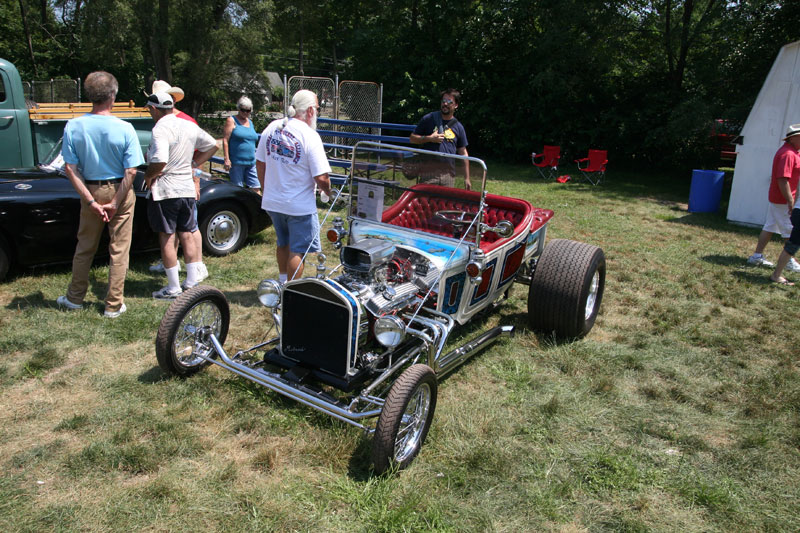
(785, 174)
(782, 191)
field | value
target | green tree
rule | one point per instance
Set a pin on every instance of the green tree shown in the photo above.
(642, 78)
(31, 39)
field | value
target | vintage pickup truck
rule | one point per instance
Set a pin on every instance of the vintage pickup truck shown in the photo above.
(29, 132)
(39, 208)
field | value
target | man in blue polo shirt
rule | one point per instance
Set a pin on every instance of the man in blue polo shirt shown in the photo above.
(101, 153)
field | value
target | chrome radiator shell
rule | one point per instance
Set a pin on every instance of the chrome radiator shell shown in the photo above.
(320, 324)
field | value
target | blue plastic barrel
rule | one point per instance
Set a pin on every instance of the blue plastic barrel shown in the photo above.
(706, 191)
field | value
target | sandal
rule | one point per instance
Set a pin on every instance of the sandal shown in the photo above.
(782, 281)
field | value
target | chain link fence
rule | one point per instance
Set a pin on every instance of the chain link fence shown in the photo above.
(50, 91)
(324, 88)
(361, 101)
(349, 100)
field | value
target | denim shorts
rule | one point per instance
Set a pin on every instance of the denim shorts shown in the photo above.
(244, 175)
(297, 231)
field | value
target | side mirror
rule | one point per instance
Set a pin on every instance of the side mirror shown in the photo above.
(504, 228)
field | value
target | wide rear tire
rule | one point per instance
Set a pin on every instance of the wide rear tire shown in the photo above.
(405, 419)
(184, 334)
(567, 288)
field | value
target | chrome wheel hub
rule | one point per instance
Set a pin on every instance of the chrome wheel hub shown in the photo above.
(193, 337)
(223, 230)
(591, 300)
(412, 423)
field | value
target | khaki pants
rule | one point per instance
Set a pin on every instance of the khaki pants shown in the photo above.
(439, 178)
(120, 229)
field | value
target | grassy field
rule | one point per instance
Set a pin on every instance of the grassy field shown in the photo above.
(679, 412)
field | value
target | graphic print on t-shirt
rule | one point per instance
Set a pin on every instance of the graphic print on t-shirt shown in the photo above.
(284, 146)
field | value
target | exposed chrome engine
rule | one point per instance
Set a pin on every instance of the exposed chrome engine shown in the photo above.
(385, 276)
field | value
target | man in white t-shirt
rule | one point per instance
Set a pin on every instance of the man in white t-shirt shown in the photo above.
(173, 192)
(290, 161)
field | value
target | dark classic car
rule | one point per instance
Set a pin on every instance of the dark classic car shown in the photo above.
(366, 339)
(39, 212)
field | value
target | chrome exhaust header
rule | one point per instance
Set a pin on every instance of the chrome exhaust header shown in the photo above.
(453, 359)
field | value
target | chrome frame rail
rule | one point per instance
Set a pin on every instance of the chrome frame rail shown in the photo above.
(438, 326)
(276, 383)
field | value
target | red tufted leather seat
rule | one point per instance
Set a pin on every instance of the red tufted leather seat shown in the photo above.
(416, 209)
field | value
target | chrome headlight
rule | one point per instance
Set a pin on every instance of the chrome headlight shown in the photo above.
(269, 293)
(389, 331)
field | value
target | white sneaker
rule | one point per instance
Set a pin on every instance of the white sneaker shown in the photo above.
(758, 260)
(165, 293)
(63, 302)
(793, 265)
(158, 268)
(115, 314)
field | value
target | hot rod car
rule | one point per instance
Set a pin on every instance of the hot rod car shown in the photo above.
(366, 342)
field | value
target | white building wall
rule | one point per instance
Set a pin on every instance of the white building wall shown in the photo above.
(777, 106)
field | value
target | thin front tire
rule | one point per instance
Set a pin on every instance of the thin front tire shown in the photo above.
(183, 341)
(405, 419)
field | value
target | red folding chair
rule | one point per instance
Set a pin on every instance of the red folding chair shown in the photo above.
(594, 166)
(547, 160)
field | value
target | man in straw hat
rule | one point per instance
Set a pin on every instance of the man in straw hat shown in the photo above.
(160, 86)
(782, 215)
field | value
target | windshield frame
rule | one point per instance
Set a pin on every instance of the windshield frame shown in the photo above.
(391, 151)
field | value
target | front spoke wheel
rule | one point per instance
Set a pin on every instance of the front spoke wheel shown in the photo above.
(183, 342)
(405, 419)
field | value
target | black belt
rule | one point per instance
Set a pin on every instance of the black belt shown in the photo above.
(103, 182)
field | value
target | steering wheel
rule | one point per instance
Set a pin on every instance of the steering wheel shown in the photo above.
(457, 218)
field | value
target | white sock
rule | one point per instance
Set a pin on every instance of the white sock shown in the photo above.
(283, 277)
(172, 278)
(193, 272)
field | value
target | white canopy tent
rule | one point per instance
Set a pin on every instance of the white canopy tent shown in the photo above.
(777, 106)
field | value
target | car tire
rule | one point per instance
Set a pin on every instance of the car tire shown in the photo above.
(405, 419)
(183, 335)
(224, 229)
(566, 289)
